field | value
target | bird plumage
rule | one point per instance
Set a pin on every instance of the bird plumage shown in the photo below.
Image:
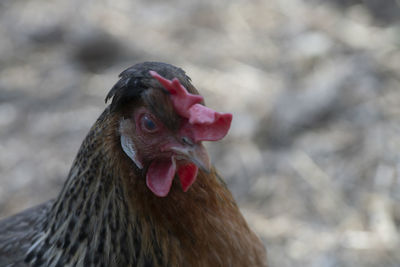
(106, 215)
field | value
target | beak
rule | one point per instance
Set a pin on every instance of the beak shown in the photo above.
(195, 153)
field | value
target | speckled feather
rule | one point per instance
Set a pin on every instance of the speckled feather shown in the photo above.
(106, 216)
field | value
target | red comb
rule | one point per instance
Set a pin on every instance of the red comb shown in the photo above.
(205, 124)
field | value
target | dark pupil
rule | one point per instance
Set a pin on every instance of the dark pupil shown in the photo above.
(149, 124)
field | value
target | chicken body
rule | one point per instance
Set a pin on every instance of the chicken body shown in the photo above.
(112, 212)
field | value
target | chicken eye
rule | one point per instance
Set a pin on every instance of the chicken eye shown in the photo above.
(148, 124)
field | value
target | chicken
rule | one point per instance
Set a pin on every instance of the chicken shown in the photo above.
(141, 190)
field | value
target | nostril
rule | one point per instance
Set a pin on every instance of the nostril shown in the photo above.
(187, 141)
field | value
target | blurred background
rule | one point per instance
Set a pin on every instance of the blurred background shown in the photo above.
(313, 154)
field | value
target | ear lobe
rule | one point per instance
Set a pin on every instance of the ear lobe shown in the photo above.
(127, 144)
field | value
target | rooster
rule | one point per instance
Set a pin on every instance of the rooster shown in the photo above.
(141, 190)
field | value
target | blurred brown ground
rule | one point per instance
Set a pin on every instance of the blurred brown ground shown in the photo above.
(313, 154)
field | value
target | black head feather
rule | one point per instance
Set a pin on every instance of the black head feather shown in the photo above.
(136, 79)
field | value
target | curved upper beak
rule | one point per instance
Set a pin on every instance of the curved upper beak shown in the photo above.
(195, 153)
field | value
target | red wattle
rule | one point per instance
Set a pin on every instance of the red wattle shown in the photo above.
(160, 175)
(187, 175)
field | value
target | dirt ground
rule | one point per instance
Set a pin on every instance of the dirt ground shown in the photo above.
(313, 153)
